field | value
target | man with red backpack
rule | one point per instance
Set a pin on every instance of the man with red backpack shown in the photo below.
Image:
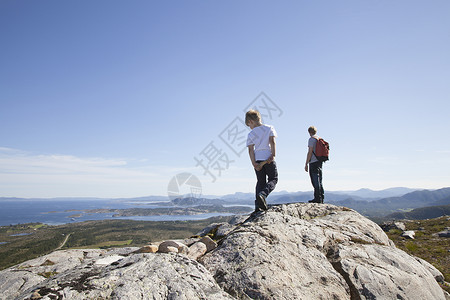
(317, 154)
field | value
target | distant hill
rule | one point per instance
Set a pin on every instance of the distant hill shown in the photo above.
(371, 194)
(428, 195)
(287, 197)
(390, 205)
(443, 201)
(429, 212)
(336, 197)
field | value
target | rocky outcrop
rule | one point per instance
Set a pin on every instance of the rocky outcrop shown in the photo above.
(393, 225)
(136, 276)
(445, 233)
(306, 251)
(295, 251)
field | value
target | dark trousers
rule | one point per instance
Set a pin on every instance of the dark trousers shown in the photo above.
(267, 180)
(315, 173)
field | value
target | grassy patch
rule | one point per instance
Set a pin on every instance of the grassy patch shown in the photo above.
(395, 232)
(109, 244)
(359, 241)
(412, 247)
(48, 274)
(48, 263)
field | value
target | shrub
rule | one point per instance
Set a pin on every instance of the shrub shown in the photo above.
(411, 246)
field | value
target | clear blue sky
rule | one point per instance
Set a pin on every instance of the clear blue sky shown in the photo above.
(115, 98)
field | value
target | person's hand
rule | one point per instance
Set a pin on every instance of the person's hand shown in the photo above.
(306, 167)
(260, 165)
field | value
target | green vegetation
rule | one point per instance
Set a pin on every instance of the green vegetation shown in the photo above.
(408, 206)
(40, 239)
(48, 274)
(426, 244)
(421, 213)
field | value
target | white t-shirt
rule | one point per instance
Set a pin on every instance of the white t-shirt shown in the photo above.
(260, 136)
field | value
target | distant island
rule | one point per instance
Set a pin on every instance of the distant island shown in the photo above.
(173, 211)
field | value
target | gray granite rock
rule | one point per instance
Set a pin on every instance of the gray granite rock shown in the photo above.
(137, 276)
(409, 234)
(15, 280)
(393, 225)
(197, 250)
(210, 244)
(444, 233)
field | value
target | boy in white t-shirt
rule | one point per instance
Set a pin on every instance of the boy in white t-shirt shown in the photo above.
(261, 149)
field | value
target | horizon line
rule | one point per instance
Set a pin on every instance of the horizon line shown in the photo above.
(210, 195)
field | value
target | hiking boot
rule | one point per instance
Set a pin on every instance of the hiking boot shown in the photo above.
(315, 201)
(254, 215)
(261, 203)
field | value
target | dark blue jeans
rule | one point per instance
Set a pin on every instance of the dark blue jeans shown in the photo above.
(315, 173)
(267, 180)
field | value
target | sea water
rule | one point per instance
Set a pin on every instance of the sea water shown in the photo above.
(62, 211)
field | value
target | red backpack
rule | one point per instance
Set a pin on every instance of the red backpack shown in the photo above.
(322, 150)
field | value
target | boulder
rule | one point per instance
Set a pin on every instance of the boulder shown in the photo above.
(210, 244)
(211, 229)
(393, 225)
(409, 234)
(172, 247)
(197, 250)
(148, 249)
(445, 233)
(190, 241)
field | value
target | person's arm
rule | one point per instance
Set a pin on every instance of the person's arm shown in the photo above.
(251, 153)
(272, 148)
(308, 157)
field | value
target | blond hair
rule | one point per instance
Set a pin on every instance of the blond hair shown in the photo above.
(312, 130)
(252, 115)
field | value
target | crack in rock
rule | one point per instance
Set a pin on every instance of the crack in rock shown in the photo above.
(332, 254)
